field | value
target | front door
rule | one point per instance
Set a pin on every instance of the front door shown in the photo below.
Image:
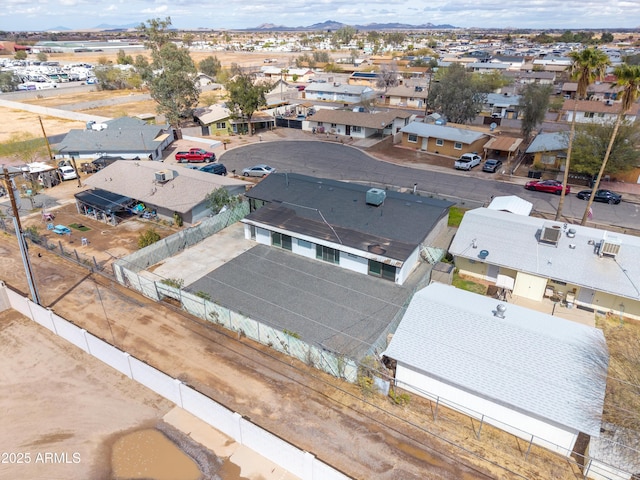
(348, 130)
(425, 143)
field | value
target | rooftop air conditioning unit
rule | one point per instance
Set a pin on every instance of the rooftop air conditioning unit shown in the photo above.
(163, 176)
(550, 234)
(609, 246)
(375, 196)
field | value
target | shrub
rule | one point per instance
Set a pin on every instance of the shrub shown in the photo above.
(148, 237)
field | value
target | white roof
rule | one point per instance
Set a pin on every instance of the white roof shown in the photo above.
(512, 204)
(528, 360)
(512, 242)
(442, 131)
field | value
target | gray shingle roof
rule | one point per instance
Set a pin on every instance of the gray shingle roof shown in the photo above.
(512, 242)
(529, 361)
(360, 119)
(121, 135)
(322, 208)
(443, 131)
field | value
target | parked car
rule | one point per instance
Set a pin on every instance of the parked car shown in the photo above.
(67, 172)
(195, 155)
(549, 186)
(606, 196)
(258, 171)
(492, 165)
(216, 168)
(467, 161)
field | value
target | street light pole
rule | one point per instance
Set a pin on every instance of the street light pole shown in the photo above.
(24, 249)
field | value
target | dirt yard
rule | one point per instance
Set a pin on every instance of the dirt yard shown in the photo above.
(59, 400)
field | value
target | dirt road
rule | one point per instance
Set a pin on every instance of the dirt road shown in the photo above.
(366, 437)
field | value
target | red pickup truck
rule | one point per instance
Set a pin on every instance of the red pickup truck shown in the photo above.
(195, 155)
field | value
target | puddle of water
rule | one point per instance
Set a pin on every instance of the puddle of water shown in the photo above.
(148, 454)
(230, 471)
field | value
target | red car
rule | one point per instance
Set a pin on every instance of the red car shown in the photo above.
(549, 186)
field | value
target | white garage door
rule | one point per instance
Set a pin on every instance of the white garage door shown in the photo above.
(529, 286)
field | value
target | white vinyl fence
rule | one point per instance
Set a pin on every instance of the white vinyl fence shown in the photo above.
(300, 463)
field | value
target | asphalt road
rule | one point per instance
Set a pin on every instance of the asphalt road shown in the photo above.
(469, 189)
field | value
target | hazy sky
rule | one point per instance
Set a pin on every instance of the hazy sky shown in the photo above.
(231, 14)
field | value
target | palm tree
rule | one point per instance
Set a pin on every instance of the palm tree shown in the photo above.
(628, 77)
(587, 66)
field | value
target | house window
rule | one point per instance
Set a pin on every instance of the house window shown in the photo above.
(281, 240)
(413, 138)
(221, 125)
(327, 254)
(382, 270)
(304, 244)
(355, 129)
(457, 146)
(588, 114)
(333, 125)
(320, 124)
(548, 159)
(439, 142)
(601, 115)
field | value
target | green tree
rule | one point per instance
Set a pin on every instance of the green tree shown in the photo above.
(628, 77)
(534, 101)
(606, 37)
(20, 55)
(455, 95)
(42, 57)
(590, 147)
(173, 85)
(210, 66)
(113, 78)
(343, 35)
(220, 198)
(143, 67)
(321, 56)
(25, 147)
(395, 38)
(586, 66)
(244, 97)
(124, 59)
(490, 82)
(8, 82)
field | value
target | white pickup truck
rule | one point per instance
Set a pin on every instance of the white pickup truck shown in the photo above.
(467, 161)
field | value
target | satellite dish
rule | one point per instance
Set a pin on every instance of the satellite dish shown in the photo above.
(493, 126)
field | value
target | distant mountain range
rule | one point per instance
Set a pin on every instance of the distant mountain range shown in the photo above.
(333, 25)
(329, 25)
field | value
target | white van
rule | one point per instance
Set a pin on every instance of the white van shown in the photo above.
(67, 172)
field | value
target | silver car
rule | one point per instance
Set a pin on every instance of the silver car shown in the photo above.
(258, 171)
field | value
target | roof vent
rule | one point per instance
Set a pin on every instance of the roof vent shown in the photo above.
(550, 234)
(610, 245)
(375, 196)
(500, 310)
(163, 176)
(483, 254)
(571, 233)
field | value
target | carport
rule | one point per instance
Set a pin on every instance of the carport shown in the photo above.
(102, 205)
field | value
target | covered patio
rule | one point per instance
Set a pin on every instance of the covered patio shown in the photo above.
(103, 205)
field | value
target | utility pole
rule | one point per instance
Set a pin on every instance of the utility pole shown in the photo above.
(46, 139)
(24, 249)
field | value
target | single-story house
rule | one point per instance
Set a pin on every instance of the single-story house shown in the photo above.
(539, 377)
(543, 78)
(167, 190)
(502, 105)
(124, 137)
(368, 79)
(218, 120)
(366, 230)
(592, 269)
(549, 150)
(338, 92)
(288, 74)
(599, 91)
(443, 139)
(356, 124)
(589, 111)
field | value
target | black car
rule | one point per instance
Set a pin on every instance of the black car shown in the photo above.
(492, 165)
(217, 168)
(606, 196)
